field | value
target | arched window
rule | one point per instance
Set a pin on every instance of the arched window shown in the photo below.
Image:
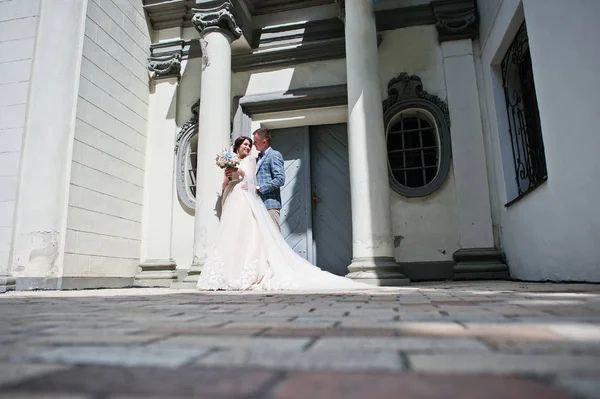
(417, 138)
(186, 146)
(192, 163)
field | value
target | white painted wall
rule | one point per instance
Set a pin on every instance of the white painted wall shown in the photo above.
(106, 190)
(310, 74)
(487, 10)
(429, 226)
(40, 217)
(552, 233)
(188, 92)
(18, 25)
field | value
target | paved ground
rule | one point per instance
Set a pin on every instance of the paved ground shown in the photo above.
(453, 340)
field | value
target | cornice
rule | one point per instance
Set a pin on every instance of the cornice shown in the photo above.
(318, 97)
(219, 17)
(319, 40)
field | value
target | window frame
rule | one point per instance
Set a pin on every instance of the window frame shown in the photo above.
(183, 151)
(528, 118)
(442, 131)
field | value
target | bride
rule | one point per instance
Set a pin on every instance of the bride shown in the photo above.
(249, 252)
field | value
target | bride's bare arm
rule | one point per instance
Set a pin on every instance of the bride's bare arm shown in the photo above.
(225, 182)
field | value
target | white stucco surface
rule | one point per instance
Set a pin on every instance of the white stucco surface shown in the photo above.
(188, 92)
(310, 74)
(160, 174)
(413, 50)
(306, 14)
(39, 237)
(189, 88)
(302, 117)
(552, 233)
(468, 157)
(18, 23)
(487, 10)
(427, 227)
(107, 181)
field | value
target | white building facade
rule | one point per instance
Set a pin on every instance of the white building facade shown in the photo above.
(423, 140)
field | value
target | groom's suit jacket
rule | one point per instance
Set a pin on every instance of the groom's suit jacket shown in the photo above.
(270, 177)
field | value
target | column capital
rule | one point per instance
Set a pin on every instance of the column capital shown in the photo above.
(165, 66)
(219, 18)
(455, 20)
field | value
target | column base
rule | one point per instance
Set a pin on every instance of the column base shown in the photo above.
(480, 264)
(156, 273)
(191, 278)
(7, 283)
(379, 271)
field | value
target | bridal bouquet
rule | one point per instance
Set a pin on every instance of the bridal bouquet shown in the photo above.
(227, 159)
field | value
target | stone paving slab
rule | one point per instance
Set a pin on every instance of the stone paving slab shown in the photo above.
(460, 339)
(276, 359)
(504, 363)
(117, 355)
(405, 344)
(14, 372)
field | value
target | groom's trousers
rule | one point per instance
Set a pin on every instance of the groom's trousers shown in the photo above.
(275, 213)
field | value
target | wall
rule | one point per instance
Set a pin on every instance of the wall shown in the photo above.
(488, 10)
(188, 92)
(18, 25)
(429, 226)
(106, 190)
(552, 233)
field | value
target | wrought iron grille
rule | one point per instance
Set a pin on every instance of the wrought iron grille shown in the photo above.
(413, 150)
(191, 168)
(524, 125)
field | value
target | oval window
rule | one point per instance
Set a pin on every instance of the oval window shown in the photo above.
(418, 148)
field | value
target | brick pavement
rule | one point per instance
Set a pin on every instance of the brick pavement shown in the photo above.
(466, 340)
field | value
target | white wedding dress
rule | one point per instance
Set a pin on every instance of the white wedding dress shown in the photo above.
(249, 252)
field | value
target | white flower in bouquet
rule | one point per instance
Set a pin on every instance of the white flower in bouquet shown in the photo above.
(227, 159)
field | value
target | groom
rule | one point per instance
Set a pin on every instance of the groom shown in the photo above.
(270, 173)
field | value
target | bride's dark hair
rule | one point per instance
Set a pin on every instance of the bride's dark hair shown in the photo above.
(239, 141)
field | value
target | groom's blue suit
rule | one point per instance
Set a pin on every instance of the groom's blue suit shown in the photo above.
(270, 177)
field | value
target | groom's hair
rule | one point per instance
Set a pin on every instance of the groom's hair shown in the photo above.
(264, 133)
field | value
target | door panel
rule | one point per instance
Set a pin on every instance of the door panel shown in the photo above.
(293, 143)
(332, 214)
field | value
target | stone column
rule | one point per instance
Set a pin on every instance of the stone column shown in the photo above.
(372, 240)
(477, 257)
(217, 28)
(157, 267)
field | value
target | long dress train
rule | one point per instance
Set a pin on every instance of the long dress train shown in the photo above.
(249, 252)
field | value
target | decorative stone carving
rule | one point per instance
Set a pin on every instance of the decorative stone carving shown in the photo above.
(407, 87)
(193, 121)
(165, 65)
(204, 47)
(406, 92)
(182, 142)
(219, 17)
(455, 20)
